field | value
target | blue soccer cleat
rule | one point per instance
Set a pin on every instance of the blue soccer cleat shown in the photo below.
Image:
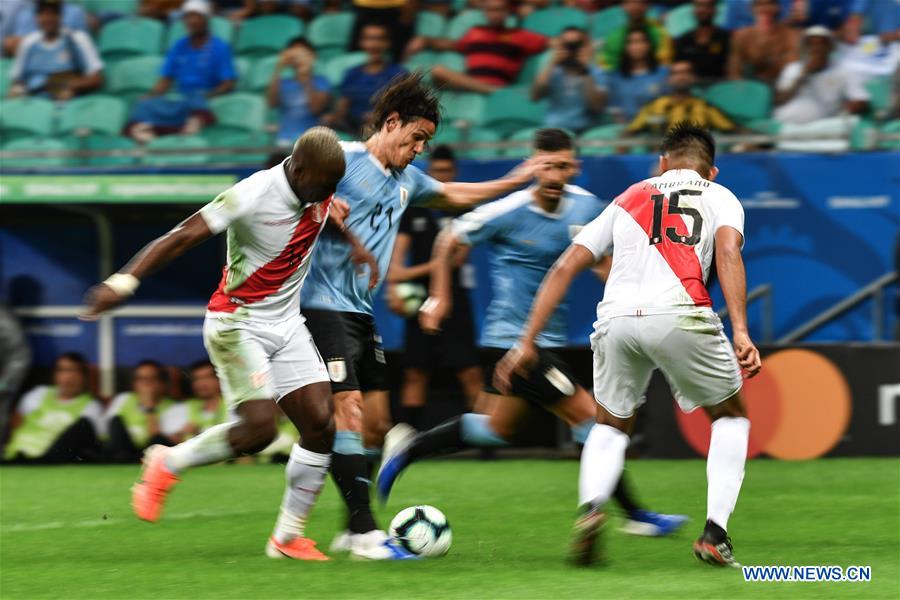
(649, 523)
(394, 459)
(377, 545)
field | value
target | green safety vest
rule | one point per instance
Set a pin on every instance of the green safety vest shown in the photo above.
(135, 419)
(44, 425)
(202, 419)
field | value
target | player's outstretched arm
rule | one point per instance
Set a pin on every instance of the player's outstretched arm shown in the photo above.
(439, 303)
(553, 289)
(161, 251)
(466, 195)
(730, 268)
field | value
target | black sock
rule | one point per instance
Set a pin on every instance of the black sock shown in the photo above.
(445, 438)
(412, 416)
(623, 496)
(349, 472)
(714, 533)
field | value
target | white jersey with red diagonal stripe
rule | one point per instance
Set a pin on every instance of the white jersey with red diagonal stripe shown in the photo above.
(271, 237)
(662, 231)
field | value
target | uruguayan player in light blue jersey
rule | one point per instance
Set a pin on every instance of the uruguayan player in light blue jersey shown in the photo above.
(526, 231)
(379, 184)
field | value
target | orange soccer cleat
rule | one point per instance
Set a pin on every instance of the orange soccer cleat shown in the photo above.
(300, 548)
(149, 493)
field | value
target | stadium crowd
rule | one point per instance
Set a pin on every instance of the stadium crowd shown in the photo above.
(202, 74)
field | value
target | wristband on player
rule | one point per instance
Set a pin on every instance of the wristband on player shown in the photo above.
(123, 284)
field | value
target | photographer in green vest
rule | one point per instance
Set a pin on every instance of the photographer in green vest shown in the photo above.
(144, 416)
(58, 423)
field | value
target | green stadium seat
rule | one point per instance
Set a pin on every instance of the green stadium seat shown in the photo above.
(110, 7)
(453, 61)
(510, 109)
(463, 22)
(422, 61)
(331, 31)
(30, 116)
(220, 26)
(258, 74)
(239, 111)
(879, 89)
(604, 132)
(743, 100)
(463, 106)
(217, 138)
(131, 36)
(96, 113)
(5, 82)
(194, 151)
(532, 66)
(265, 35)
(107, 142)
(522, 148)
(133, 76)
(33, 144)
(430, 24)
(606, 21)
(446, 134)
(767, 126)
(338, 65)
(890, 128)
(485, 136)
(551, 21)
(680, 20)
(244, 67)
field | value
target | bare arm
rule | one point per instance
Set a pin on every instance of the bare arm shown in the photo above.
(399, 270)
(730, 268)
(556, 284)
(154, 255)
(223, 88)
(541, 85)
(162, 86)
(440, 299)
(456, 195)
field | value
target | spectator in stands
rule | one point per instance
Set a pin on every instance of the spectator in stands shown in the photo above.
(494, 52)
(882, 16)
(814, 88)
(576, 87)
(638, 79)
(706, 47)
(254, 8)
(301, 97)
(55, 61)
(201, 66)
(636, 11)
(159, 9)
(8, 39)
(680, 104)
(454, 348)
(360, 84)
(24, 17)
(762, 50)
(205, 407)
(398, 17)
(144, 416)
(740, 13)
(58, 423)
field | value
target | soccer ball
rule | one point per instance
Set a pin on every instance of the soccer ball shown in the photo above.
(422, 530)
(412, 295)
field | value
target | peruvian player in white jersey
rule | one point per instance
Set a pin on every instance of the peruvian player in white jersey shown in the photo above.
(656, 313)
(254, 332)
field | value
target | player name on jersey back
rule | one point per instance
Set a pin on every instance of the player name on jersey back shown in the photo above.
(662, 231)
(271, 237)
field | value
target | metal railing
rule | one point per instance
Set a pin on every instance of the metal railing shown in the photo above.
(875, 290)
(761, 292)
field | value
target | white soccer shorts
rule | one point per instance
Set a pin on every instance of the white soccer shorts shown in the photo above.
(260, 360)
(691, 351)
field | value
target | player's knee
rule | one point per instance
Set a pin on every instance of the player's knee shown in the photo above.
(348, 411)
(732, 407)
(256, 430)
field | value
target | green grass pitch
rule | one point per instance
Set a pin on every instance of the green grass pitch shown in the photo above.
(68, 533)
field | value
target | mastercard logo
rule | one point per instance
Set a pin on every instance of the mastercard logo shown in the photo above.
(798, 406)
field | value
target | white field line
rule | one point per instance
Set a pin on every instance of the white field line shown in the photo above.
(24, 527)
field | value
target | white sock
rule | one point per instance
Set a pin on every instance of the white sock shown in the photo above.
(305, 474)
(602, 461)
(725, 467)
(209, 447)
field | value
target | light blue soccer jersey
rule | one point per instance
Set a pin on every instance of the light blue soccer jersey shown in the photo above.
(525, 241)
(377, 199)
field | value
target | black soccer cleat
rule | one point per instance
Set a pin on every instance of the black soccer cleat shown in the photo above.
(717, 553)
(585, 534)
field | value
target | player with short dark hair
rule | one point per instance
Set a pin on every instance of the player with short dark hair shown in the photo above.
(656, 313)
(379, 185)
(527, 231)
(264, 356)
